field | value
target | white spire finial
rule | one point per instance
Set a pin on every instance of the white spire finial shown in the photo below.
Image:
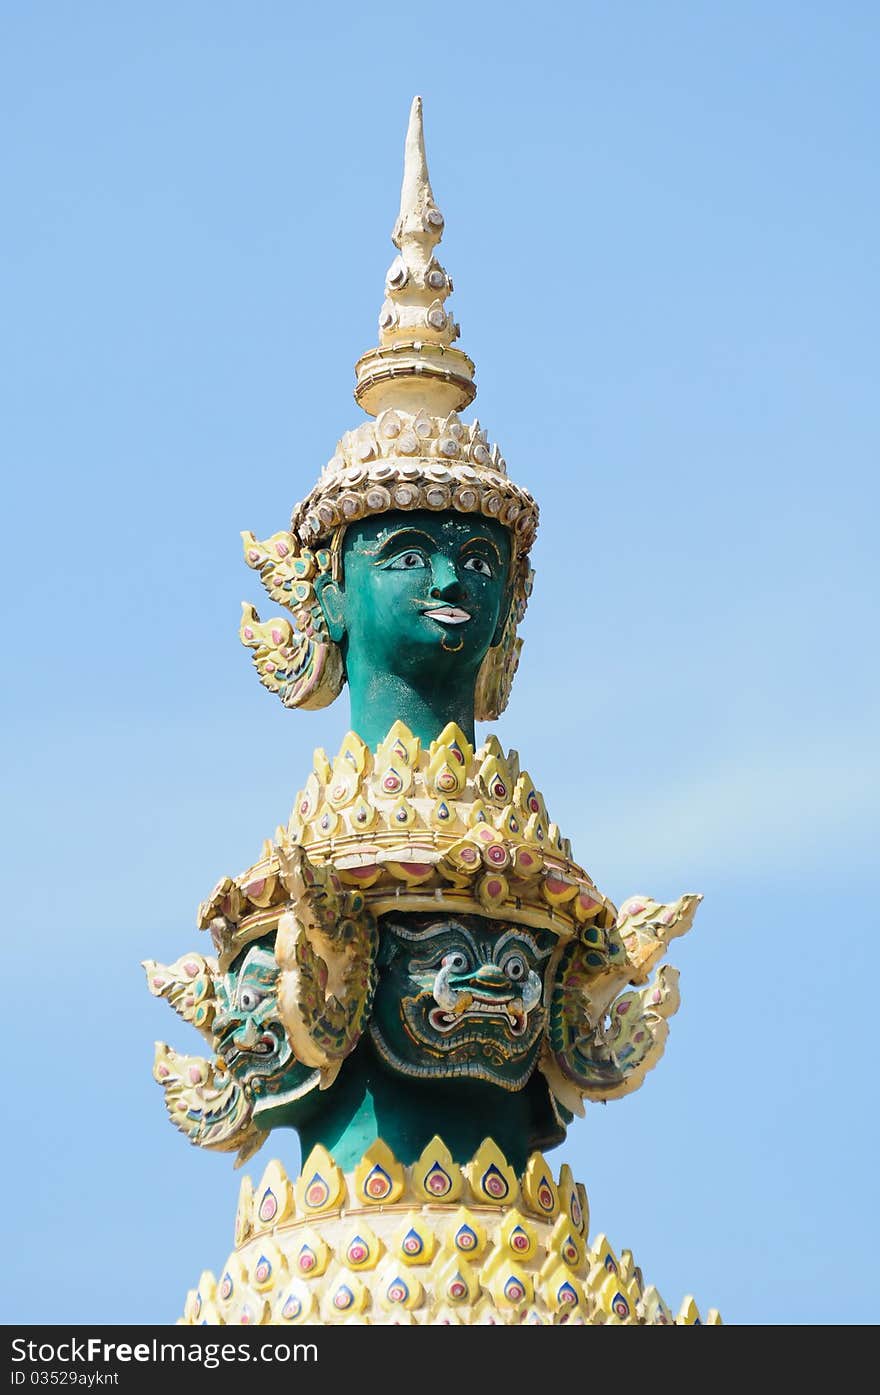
(415, 366)
(419, 215)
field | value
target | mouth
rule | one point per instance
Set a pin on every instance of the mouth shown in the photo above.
(264, 1047)
(511, 1013)
(448, 614)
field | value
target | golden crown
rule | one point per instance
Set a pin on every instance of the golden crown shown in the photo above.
(415, 461)
(420, 829)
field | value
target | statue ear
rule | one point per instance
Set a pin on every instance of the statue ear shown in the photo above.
(330, 598)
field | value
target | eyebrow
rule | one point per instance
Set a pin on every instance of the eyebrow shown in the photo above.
(430, 932)
(521, 935)
(400, 539)
(407, 536)
(478, 542)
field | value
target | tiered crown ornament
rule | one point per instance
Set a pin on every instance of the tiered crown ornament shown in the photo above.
(415, 975)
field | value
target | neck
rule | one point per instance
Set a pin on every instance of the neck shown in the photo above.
(379, 699)
(367, 1102)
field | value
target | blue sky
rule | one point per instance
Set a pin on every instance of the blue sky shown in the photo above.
(662, 225)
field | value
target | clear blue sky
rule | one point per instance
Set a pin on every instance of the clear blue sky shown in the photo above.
(662, 224)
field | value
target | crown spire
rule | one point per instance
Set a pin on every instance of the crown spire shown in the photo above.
(417, 206)
(415, 367)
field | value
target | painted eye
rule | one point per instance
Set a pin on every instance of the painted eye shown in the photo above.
(455, 961)
(516, 968)
(407, 562)
(478, 564)
(249, 998)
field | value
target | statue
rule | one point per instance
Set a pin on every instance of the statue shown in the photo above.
(416, 975)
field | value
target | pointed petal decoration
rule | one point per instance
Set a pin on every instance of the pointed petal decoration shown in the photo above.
(268, 1267)
(567, 1242)
(379, 1178)
(688, 1314)
(466, 1234)
(510, 1285)
(344, 1299)
(273, 1197)
(399, 1289)
(517, 1236)
(434, 1176)
(653, 1311)
(363, 1249)
(295, 1304)
(573, 1200)
(562, 1292)
(415, 1242)
(321, 1185)
(490, 1176)
(311, 1259)
(538, 1188)
(456, 1283)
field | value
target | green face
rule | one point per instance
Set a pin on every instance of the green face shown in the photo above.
(250, 1039)
(422, 598)
(460, 997)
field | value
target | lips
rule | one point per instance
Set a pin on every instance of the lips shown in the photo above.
(448, 614)
(510, 1013)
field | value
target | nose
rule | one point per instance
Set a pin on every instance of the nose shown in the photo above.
(446, 584)
(247, 1035)
(488, 979)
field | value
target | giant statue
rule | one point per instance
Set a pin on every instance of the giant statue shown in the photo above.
(416, 976)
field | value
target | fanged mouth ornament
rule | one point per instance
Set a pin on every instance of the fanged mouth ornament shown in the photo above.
(264, 1047)
(516, 1018)
(448, 615)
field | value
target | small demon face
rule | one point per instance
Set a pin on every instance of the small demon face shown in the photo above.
(251, 1040)
(460, 996)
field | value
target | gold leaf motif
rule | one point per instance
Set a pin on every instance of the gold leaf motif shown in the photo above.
(361, 1248)
(435, 1176)
(295, 1304)
(379, 1179)
(398, 1288)
(273, 1198)
(321, 1185)
(490, 1176)
(414, 1242)
(517, 1236)
(538, 1187)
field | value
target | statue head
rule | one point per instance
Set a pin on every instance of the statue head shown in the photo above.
(249, 1036)
(416, 466)
(415, 602)
(460, 997)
